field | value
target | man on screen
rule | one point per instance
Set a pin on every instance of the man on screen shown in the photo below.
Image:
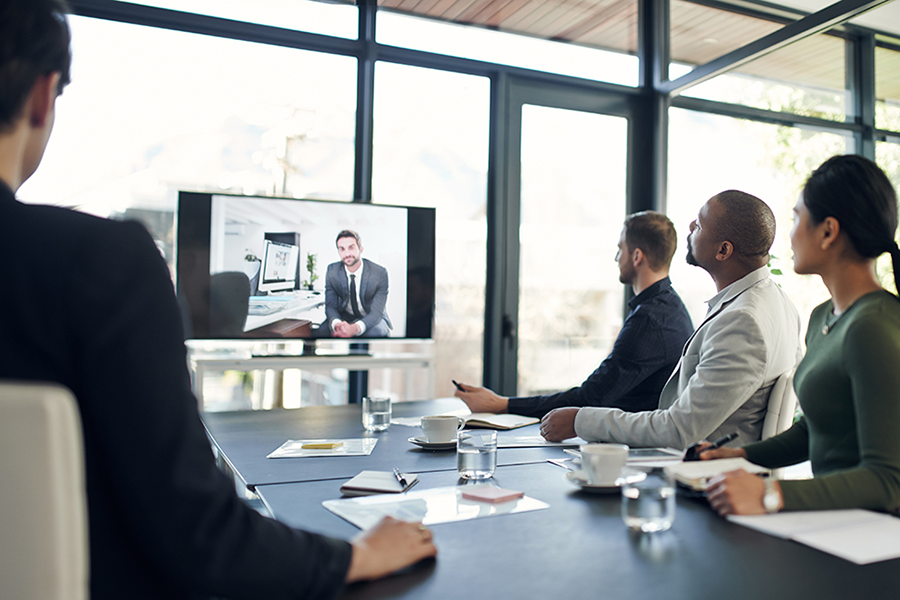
(356, 291)
(648, 345)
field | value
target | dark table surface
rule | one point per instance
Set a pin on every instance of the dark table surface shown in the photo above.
(580, 548)
(245, 438)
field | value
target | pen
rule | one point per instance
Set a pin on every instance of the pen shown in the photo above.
(459, 387)
(693, 452)
(399, 477)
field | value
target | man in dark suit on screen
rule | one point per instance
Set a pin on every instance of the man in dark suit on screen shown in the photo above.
(356, 291)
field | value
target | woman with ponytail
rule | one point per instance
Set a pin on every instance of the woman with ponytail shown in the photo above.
(848, 384)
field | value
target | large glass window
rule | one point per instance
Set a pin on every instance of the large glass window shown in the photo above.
(709, 154)
(524, 51)
(887, 89)
(196, 113)
(431, 149)
(572, 207)
(336, 18)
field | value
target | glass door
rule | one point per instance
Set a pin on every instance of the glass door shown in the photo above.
(572, 202)
(566, 190)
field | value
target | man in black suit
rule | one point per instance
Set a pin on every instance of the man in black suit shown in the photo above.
(94, 310)
(356, 291)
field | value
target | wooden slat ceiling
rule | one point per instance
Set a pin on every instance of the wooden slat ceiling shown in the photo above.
(698, 33)
(607, 24)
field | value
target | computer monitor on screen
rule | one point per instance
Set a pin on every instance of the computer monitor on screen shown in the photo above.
(279, 267)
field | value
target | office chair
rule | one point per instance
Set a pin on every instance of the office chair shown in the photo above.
(782, 404)
(43, 507)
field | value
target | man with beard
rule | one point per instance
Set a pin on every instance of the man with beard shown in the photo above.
(648, 345)
(356, 291)
(750, 337)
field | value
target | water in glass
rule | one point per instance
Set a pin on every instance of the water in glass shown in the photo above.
(649, 505)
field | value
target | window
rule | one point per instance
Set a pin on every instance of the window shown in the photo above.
(709, 154)
(508, 49)
(431, 149)
(197, 113)
(335, 18)
(887, 89)
(572, 207)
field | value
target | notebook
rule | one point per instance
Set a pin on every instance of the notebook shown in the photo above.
(367, 483)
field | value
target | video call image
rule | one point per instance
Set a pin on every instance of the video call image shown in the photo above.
(287, 250)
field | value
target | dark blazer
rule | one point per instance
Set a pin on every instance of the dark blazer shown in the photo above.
(373, 293)
(88, 303)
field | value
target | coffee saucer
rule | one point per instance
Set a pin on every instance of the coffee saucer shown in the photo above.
(421, 442)
(628, 476)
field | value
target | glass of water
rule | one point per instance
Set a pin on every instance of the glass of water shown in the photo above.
(648, 504)
(376, 413)
(476, 453)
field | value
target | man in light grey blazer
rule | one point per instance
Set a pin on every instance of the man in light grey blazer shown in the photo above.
(750, 336)
(356, 291)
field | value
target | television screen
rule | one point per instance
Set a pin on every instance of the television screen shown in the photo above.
(250, 267)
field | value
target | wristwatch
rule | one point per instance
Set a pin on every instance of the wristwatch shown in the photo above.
(771, 499)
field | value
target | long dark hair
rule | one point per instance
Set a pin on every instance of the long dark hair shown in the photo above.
(856, 192)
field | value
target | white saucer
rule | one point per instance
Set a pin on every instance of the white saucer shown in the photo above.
(421, 442)
(628, 476)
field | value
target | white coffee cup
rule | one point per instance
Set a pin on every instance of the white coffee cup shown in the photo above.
(441, 428)
(603, 463)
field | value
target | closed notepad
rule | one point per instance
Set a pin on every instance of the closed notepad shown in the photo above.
(377, 482)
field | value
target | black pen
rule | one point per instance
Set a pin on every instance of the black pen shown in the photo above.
(459, 387)
(399, 477)
(693, 452)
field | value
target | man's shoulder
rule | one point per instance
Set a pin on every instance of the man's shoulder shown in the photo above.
(375, 267)
(65, 224)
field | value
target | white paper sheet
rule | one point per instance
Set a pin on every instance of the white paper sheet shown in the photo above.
(437, 505)
(860, 536)
(350, 447)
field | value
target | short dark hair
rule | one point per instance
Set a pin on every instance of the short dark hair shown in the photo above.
(654, 234)
(747, 222)
(348, 233)
(856, 192)
(34, 41)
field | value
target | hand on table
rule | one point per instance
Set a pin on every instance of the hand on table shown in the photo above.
(480, 399)
(559, 424)
(389, 546)
(737, 493)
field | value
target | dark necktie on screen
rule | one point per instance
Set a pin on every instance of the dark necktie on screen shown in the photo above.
(353, 304)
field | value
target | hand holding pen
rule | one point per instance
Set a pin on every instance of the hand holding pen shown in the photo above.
(695, 450)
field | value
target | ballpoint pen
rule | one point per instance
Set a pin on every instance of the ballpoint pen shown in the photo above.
(693, 451)
(399, 477)
(459, 387)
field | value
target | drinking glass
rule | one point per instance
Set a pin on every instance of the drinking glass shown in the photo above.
(648, 505)
(476, 453)
(376, 413)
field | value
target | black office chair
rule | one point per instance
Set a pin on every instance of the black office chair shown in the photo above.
(229, 302)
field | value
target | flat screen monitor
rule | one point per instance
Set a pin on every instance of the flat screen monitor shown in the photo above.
(278, 269)
(251, 267)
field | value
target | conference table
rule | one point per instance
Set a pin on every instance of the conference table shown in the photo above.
(576, 548)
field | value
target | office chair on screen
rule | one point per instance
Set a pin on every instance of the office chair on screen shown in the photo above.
(43, 507)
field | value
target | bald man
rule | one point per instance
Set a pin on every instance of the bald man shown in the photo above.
(750, 336)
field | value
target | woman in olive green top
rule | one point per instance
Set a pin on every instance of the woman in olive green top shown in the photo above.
(848, 384)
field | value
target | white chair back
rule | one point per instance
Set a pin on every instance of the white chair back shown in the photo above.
(782, 404)
(43, 508)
